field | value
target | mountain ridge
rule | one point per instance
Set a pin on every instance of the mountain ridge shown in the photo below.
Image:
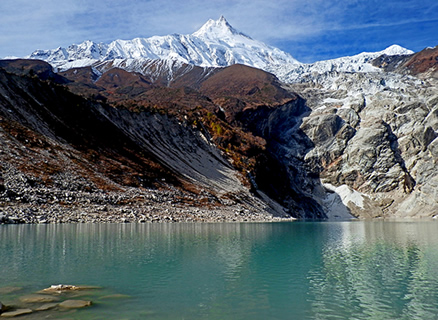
(215, 44)
(205, 48)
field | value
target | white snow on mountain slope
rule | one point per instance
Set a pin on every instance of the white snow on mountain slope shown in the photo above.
(356, 63)
(215, 44)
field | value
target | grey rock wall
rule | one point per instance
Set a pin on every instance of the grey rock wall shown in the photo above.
(374, 133)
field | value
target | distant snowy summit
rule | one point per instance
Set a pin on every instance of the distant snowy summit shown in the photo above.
(215, 44)
(356, 63)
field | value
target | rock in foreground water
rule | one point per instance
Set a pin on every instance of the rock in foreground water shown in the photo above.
(36, 298)
(75, 304)
(47, 306)
(60, 288)
(16, 313)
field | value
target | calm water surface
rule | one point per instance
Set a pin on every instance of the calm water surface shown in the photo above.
(297, 270)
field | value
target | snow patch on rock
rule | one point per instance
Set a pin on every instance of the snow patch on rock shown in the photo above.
(338, 200)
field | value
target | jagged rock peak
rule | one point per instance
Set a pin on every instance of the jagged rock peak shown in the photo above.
(217, 29)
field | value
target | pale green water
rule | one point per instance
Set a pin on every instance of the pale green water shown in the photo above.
(298, 270)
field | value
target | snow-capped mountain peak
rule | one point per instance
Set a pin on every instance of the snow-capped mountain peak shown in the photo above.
(396, 50)
(217, 29)
(215, 44)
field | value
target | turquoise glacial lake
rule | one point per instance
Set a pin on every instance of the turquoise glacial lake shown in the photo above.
(295, 270)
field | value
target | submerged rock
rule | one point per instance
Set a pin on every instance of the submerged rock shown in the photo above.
(47, 306)
(75, 304)
(16, 313)
(37, 298)
(7, 290)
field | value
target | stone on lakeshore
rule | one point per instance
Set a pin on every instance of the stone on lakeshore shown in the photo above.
(37, 298)
(75, 304)
(16, 313)
(47, 306)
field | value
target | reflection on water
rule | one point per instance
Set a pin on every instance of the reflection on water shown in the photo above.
(342, 270)
(377, 270)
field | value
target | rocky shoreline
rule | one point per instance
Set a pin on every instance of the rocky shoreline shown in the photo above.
(45, 205)
(70, 198)
(28, 214)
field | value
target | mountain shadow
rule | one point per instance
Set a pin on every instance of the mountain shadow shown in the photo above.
(281, 171)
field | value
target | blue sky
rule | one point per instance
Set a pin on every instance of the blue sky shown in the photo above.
(309, 30)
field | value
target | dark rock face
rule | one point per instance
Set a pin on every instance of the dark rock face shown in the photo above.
(423, 64)
(391, 63)
(282, 172)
